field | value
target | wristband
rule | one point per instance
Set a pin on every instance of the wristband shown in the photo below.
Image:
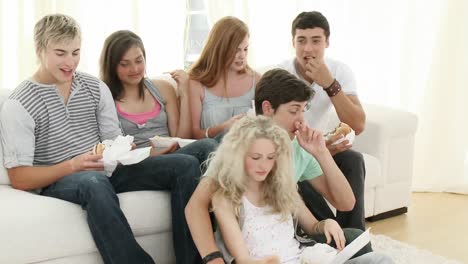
(334, 88)
(317, 227)
(207, 135)
(211, 256)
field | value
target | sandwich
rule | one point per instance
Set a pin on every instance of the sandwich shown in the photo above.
(342, 129)
(98, 149)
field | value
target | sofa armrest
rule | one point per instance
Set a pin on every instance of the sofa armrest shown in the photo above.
(389, 136)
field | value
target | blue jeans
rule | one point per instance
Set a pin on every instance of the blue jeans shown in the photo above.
(96, 194)
(200, 149)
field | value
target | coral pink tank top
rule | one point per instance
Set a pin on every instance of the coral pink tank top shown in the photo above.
(140, 118)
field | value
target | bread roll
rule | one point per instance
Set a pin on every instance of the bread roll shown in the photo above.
(98, 149)
(341, 129)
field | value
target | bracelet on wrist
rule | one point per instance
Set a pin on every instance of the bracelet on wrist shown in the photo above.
(207, 134)
(333, 89)
(317, 227)
(211, 256)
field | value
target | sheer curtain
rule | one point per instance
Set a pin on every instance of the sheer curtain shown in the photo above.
(159, 23)
(409, 55)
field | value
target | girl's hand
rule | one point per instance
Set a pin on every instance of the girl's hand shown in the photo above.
(182, 79)
(232, 120)
(216, 261)
(265, 260)
(269, 260)
(155, 151)
(331, 229)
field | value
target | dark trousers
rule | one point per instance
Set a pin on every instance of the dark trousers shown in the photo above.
(351, 163)
(96, 193)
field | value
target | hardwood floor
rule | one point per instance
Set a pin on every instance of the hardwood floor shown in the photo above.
(435, 221)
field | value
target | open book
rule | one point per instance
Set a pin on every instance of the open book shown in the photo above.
(325, 254)
(352, 248)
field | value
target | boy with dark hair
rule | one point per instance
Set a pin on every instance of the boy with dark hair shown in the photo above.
(335, 90)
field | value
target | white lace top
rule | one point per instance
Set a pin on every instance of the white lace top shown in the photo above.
(265, 234)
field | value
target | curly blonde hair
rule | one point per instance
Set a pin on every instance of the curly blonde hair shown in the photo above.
(226, 168)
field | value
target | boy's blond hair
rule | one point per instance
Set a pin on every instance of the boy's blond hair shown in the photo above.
(55, 28)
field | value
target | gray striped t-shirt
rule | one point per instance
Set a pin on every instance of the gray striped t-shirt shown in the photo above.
(38, 128)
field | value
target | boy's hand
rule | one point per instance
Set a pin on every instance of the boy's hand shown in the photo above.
(310, 139)
(337, 148)
(317, 70)
(87, 161)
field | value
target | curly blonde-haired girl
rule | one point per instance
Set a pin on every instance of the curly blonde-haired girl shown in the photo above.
(227, 171)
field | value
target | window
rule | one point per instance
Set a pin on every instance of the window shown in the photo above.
(196, 31)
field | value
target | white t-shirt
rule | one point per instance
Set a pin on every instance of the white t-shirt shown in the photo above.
(321, 107)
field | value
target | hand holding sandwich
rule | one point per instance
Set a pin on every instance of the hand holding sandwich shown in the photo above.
(87, 161)
(334, 136)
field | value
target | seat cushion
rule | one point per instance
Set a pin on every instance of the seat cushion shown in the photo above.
(48, 228)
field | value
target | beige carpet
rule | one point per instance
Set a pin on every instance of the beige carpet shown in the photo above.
(403, 253)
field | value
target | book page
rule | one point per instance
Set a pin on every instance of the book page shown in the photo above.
(352, 248)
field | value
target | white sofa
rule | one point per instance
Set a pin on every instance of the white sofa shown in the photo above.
(36, 229)
(387, 144)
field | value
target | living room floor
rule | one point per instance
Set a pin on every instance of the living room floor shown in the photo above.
(437, 222)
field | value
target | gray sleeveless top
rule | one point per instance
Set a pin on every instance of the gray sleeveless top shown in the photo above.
(155, 126)
(216, 110)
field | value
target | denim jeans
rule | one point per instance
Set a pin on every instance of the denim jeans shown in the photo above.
(96, 194)
(351, 163)
(107, 223)
(200, 149)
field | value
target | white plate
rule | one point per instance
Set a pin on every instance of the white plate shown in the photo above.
(350, 137)
(184, 142)
(164, 142)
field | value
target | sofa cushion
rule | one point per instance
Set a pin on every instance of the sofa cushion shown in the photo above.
(48, 228)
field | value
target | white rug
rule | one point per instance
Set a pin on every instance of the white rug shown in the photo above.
(403, 253)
